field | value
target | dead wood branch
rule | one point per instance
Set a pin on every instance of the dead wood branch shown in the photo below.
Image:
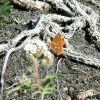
(72, 8)
(32, 5)
(88, 93)
(95, 2)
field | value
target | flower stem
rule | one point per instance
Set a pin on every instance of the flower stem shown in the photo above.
(42, 97)
(35, 73)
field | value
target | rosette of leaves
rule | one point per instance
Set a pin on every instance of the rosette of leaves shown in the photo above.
(4, 9)
(47, 85)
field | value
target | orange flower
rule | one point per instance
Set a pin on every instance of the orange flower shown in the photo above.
(57, 44)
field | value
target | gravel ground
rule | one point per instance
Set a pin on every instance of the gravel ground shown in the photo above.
(78, 77)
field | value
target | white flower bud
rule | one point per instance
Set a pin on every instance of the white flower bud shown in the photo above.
(35, 47)
(48, 59)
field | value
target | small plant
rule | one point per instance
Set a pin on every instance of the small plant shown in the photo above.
(24, 84)
(4, 9)
(37, 52)
(48, 86)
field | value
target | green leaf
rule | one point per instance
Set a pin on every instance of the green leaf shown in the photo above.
(36, 92)
(49, 89)
(25, 91)
(37, 85)
(4, 8)
(48, 92)
(25, 87)
(1, 21)
(13, 90)
(30, 69)
(50, 76)
(46, 83)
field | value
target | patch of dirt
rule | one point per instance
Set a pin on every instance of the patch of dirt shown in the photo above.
(78, 77)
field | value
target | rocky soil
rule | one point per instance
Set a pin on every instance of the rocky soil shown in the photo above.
(79, 79)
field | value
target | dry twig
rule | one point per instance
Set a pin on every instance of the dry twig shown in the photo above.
(88, 93)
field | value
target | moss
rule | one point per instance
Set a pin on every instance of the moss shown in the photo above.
(4, 9)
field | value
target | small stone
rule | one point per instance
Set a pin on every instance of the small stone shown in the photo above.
(65, 89)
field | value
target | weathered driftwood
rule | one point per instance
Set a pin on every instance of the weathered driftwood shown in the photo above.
(49, 22)
(95, 2)
(48, 25)
(71, 8)
(32, 5)
(88, 93)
